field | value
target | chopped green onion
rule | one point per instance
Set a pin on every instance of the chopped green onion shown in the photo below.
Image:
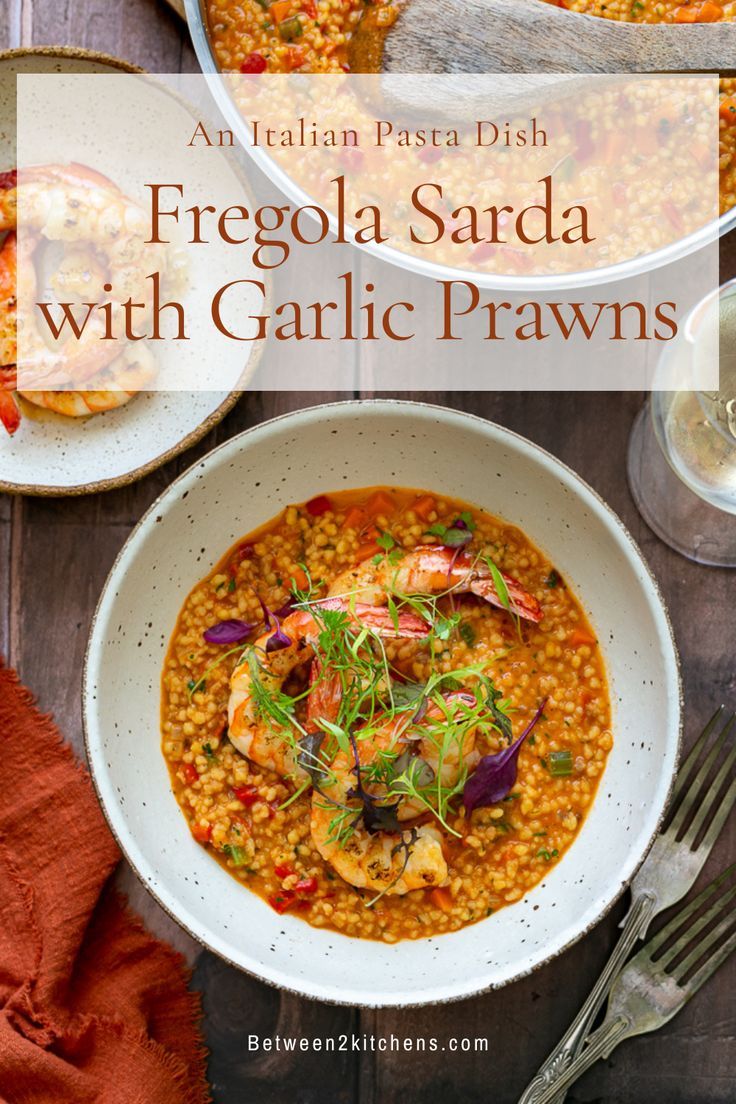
(237, 854)
(560, 763)
(291, 28)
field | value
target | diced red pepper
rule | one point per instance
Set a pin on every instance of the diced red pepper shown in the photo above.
(482, 251)
(349, 156)
(202, 832)
(619, 192)
(282, 901)
(283, 870)
(190, 773)
(306, 885)
(254, 63)
(319, 505)
(430, 154)
(673, 215)
(247, 794)
(310, 8)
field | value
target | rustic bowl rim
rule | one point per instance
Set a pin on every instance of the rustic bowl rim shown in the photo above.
(358, 406)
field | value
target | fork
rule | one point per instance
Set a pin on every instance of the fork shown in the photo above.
(658, 981)
(667, 874)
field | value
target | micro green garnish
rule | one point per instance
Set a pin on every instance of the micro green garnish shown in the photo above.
(554, 579)
(207, 748)
(559, 763)
(231, 586)
(429, 722)
(200, 683)
(467, 632)
(500, 584)
(386, 542)
(543, 853)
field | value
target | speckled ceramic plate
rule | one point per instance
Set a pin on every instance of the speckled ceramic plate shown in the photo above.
(60, 456)
(242, 484)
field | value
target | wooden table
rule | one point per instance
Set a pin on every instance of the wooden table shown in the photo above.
(54, 556)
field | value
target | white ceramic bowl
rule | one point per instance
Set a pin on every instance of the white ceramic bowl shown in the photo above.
(244, 483)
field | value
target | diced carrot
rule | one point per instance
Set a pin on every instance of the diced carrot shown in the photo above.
(614, 147)
(709, 12)
(354, 518)
(280, 10)
(424, 506)
(442, 898)
(686, 14)
(202, 832)
(295, 57)
(366, 551)
(727, 109)
(380, 503)
(578, 637)
(299, 578)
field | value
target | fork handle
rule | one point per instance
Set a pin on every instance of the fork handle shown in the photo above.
(600, 1044)
(552, 1072)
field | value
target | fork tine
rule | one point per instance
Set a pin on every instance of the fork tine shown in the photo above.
(709, 803)
(686, 913)
(708, 968)
(695, 753)
(687, 937)
(693, 793)
(703, 947)
(719, 820)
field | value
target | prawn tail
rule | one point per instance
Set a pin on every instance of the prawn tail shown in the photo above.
(520, 601)
(9, 411)
(325, 694)
(380, 619)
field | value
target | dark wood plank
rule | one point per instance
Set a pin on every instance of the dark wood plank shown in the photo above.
(147, 34)
(10, 24)
(237, 1007)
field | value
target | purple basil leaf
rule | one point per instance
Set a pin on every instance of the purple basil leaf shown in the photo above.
(277, 640)
(267, 615)
(228, 632)
(495, 775)
(284, 611)
(458, 523)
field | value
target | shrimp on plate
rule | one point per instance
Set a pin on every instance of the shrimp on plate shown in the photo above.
(257, 734)
(103, 236)
(392, 862)
(434, 569)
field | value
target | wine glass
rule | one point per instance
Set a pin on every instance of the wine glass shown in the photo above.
(682, 450)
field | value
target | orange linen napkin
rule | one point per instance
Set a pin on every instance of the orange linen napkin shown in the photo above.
(93, 1010)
